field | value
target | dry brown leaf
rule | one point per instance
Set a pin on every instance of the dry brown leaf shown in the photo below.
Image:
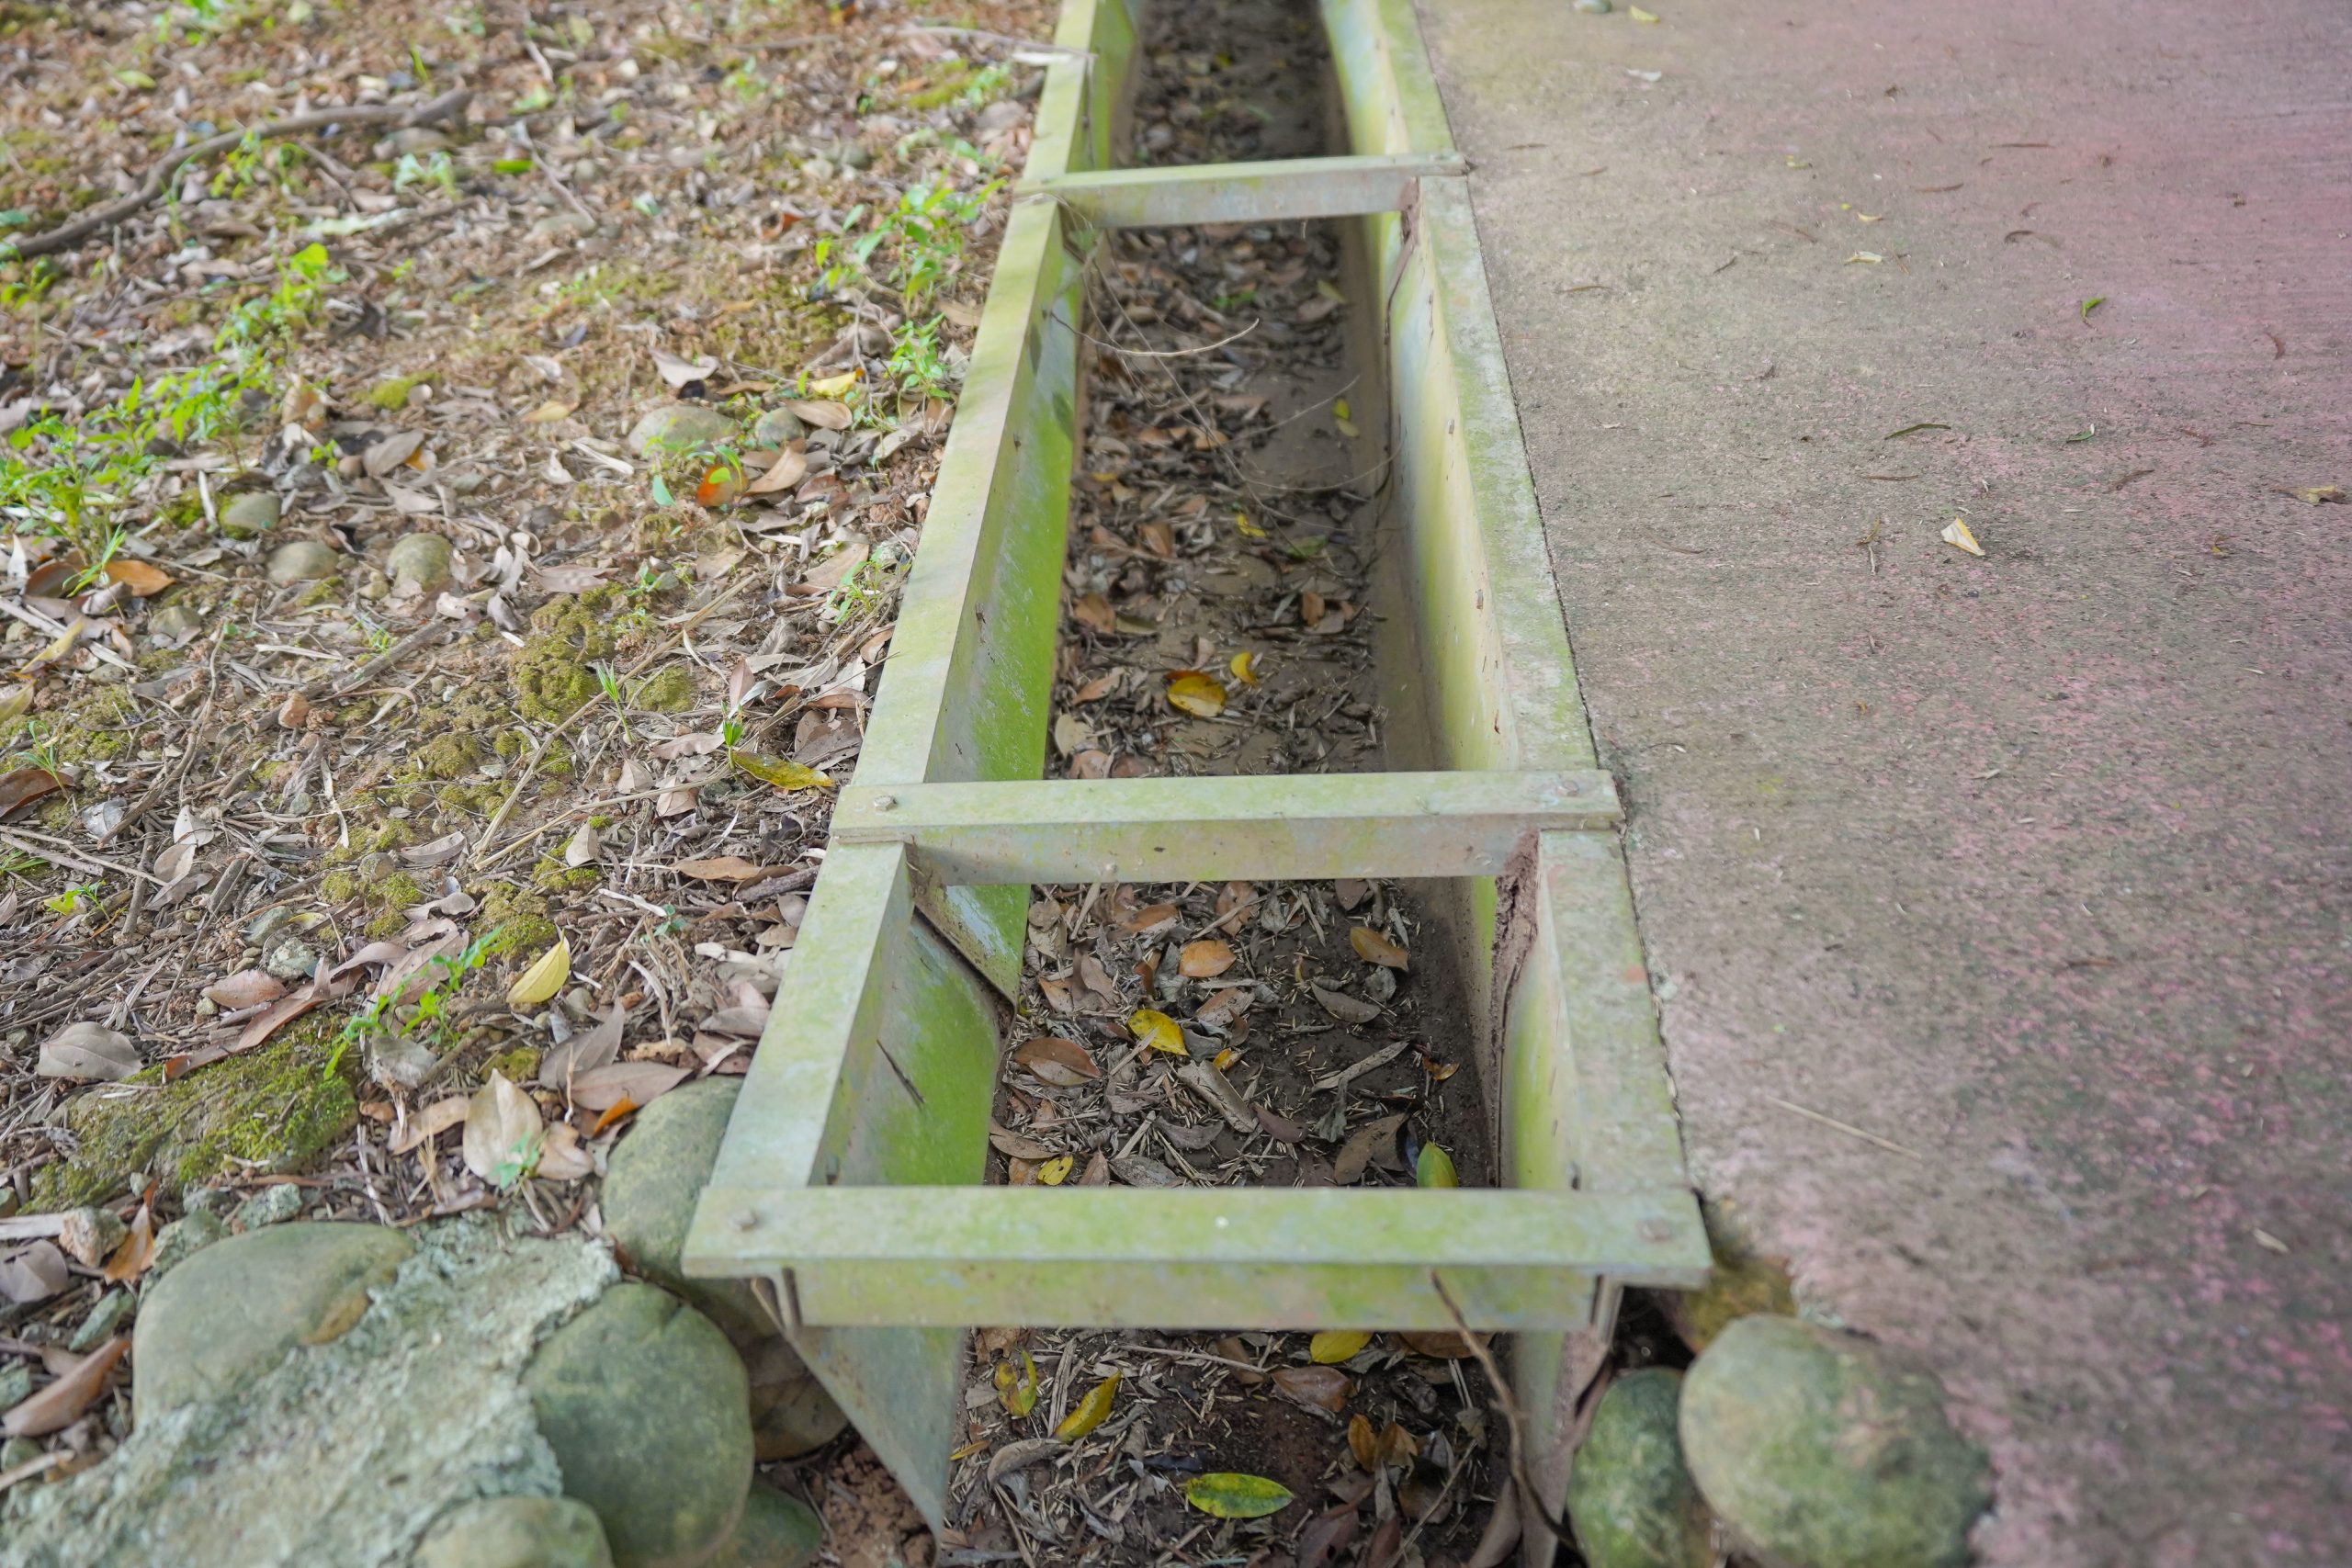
(431, 1123)
(823, 415)
(1357, 1152)
(138, 1249)
(1317, 1388)
(1443, 1344)
(562, 1157)
(1206, 959)
(247, 988)
(144, 578)
(33, 1274)
(586, 1051)
(286, 1010)
(1223, 1007)
(503, 1132)
(1017, 1145)
(1363, 1442)
(725, 868)
(90, 1052)
(23, 787)
(601, 1089)
(62, 1403)
(1349, 891)
(791, 466)
(1150, 917)
(1062, 1063)
(1345, 1008)
(1374, 948)
(1093, 612)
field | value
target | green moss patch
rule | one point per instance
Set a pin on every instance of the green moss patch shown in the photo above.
(271, 1112)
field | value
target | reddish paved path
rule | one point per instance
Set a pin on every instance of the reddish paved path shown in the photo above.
(2039, 865)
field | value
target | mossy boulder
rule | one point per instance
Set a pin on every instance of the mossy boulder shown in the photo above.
(1741, 1285)
(1629, 1497)
(680, 427)
(270, 1111)
(644, 1403)
(419, 562)
(301, 560)
(1820, 1449)
(778, 1531)
(651, 1183)
(237, 1308)
(516, 1532)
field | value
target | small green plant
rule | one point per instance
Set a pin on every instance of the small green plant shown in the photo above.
(922, 240)
(430, 1017)
(865, 591)
(608, 682)
(70, 477)
(917, 366)
(78, 896)
(436, 171)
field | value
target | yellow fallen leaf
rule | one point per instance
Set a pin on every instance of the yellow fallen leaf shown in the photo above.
(1157, 1030)
(1639, 14)
(1244, 666)
(549, 413)
(1956, 534)
(834, 386)
(1248, 530)
(1374, 948)
(544, 978)
(1870, 216)
(1225, 1058)
(1228, 1496)
(1347, 428)
(1196, 694)
(1333, 1345)
(1054, 1171)
(1869, 258)
(1339, 409)
(1017, 1391)
(1091, 1411)
(778, 771)
(1435, 1167)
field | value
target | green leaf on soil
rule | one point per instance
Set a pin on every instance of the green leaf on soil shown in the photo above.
(1226, 1495)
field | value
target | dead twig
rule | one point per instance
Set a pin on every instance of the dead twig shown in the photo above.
(1530, 1499)
(448, 106)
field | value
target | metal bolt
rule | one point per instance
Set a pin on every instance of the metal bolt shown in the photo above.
(886, 803)
(745, 1219)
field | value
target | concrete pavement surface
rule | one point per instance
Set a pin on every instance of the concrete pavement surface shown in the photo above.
(2034, 867)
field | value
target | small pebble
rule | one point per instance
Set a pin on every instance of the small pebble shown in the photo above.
(112, 1308)
(269, 1206)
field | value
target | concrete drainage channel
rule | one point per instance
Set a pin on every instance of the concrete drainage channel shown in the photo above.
(852, 1188)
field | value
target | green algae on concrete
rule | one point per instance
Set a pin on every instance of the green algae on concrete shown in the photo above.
(1821, 1449)
(1629, 1497)
(272, 1111)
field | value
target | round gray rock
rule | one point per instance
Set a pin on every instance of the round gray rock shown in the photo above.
(1632, 1501)
(654, 1178)
(182, 1239)
(777, 427)
(778, 1531)
(237, 1308)
(644, 1403)
(303, 560)
(679, 427)
(419, 561)
(651, 1183)
(1820, 1449)
(249, 511)
(516, 1532)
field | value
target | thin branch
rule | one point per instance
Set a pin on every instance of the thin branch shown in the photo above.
(448, 106)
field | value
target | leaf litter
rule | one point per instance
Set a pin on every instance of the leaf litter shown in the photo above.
(373, 690)
(1218, 581)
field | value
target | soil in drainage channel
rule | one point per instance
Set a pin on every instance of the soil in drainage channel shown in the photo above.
(1218, 620)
